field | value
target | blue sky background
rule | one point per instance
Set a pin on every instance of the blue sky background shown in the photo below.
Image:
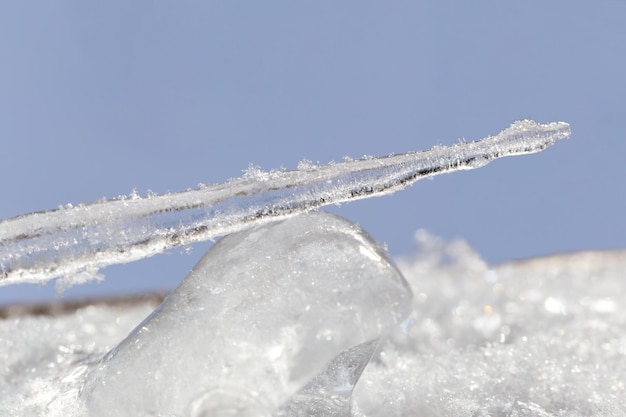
(98, 98)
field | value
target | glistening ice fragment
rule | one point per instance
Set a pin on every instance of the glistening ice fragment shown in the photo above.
(76, 241)
(330, 393)
(291, 307)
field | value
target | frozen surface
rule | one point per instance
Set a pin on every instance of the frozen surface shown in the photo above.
(540, 337)
(73, 242)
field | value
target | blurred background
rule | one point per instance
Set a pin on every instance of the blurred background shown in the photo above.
(100, 98)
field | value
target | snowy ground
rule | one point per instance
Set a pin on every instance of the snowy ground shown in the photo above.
(540, 337)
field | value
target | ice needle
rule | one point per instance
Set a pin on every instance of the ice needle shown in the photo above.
(81, 239)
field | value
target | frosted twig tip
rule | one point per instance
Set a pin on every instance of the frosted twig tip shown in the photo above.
(74, 242)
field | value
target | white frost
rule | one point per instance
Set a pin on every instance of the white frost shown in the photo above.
(78, 240)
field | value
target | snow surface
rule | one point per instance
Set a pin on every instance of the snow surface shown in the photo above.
(74, 242)
(540, 337)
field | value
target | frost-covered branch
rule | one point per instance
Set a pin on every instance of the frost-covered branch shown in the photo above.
(80, 239)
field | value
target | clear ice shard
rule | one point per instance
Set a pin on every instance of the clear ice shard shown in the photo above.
(280, 319)
(330, 393)
(75, 241)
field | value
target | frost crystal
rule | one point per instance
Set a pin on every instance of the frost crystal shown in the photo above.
(80, 239)
(540, 338)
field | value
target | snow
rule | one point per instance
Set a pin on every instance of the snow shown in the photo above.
(539, 337)
(75, 241)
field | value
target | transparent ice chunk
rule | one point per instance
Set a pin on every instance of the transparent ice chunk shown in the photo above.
(292, 307)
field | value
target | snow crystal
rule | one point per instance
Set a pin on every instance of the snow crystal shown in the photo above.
(44, 357)
(543, 337)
